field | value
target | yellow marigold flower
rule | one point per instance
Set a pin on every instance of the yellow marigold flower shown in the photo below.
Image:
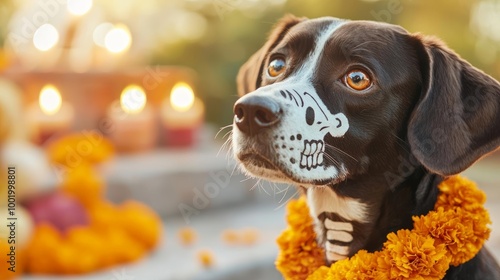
(300, 254)
(458, 191)
(413, 256)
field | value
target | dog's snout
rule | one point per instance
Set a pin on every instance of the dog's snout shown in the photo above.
(254, 113)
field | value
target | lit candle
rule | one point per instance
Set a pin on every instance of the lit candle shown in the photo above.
(132, 121)
(50, 116)
(118, 39)
(182, 116)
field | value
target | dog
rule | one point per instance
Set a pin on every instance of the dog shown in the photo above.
(367, 119)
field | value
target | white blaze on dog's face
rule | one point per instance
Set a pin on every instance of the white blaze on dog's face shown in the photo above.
(298, 146)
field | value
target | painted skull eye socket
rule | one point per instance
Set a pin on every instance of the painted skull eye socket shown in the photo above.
(276, 67)
(357, 80)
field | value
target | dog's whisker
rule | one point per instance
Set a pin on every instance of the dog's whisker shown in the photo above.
(288, 200)
(229, 151)
(263, 188)
(277, 190)
(226, 144)
(340, 151)
(284, 195)
(221, 129)
(333, 160)
(255, 185)
(232, 172)
(229, 133)
(401, 142)
(246, 179)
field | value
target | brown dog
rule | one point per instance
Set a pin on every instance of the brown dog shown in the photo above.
(367, 119)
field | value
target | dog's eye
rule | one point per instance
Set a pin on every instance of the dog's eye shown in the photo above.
(357, 80)
(276, 67)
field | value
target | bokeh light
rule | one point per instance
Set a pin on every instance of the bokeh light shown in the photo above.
(182, 97)
(79, 7)
(50, 100)
(45, 37)
(118, 39)
(133, 99)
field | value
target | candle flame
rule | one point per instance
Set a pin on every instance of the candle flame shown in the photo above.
(79, 7)
(182, 97)
(45, 37)
(133, 99)
(118, 39)
(50, 100)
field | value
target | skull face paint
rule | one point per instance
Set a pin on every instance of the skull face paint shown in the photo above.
(319, 123)
(299, 141)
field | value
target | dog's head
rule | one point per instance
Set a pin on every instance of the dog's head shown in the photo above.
(326, 99)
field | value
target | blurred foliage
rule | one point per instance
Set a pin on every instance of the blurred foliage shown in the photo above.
(234, 34)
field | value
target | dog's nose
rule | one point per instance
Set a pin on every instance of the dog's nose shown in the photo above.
(254, 113)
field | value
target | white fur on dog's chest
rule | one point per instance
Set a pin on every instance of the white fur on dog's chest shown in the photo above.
(325, 200)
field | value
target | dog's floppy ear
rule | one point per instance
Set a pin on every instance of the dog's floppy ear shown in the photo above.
(457, 119)
(249, 76)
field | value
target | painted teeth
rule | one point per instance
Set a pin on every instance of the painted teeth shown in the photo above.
(312, 154)
(303, 161)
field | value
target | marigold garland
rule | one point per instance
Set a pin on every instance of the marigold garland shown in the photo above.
(452, 234)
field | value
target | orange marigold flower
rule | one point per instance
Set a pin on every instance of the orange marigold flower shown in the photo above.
(84, 184)
(230, 236)
(458, 191)
(40, 254)
(187, 236)
(452, 234)
(91, 241)
(206, 258)
(122, 246)
(91, 148)
(300, 254)
(5, 265)
(362, 266)
(320, 273)
(249, 236)
(141, 223)
(413, 256)
(103, 215)
(462, 232)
